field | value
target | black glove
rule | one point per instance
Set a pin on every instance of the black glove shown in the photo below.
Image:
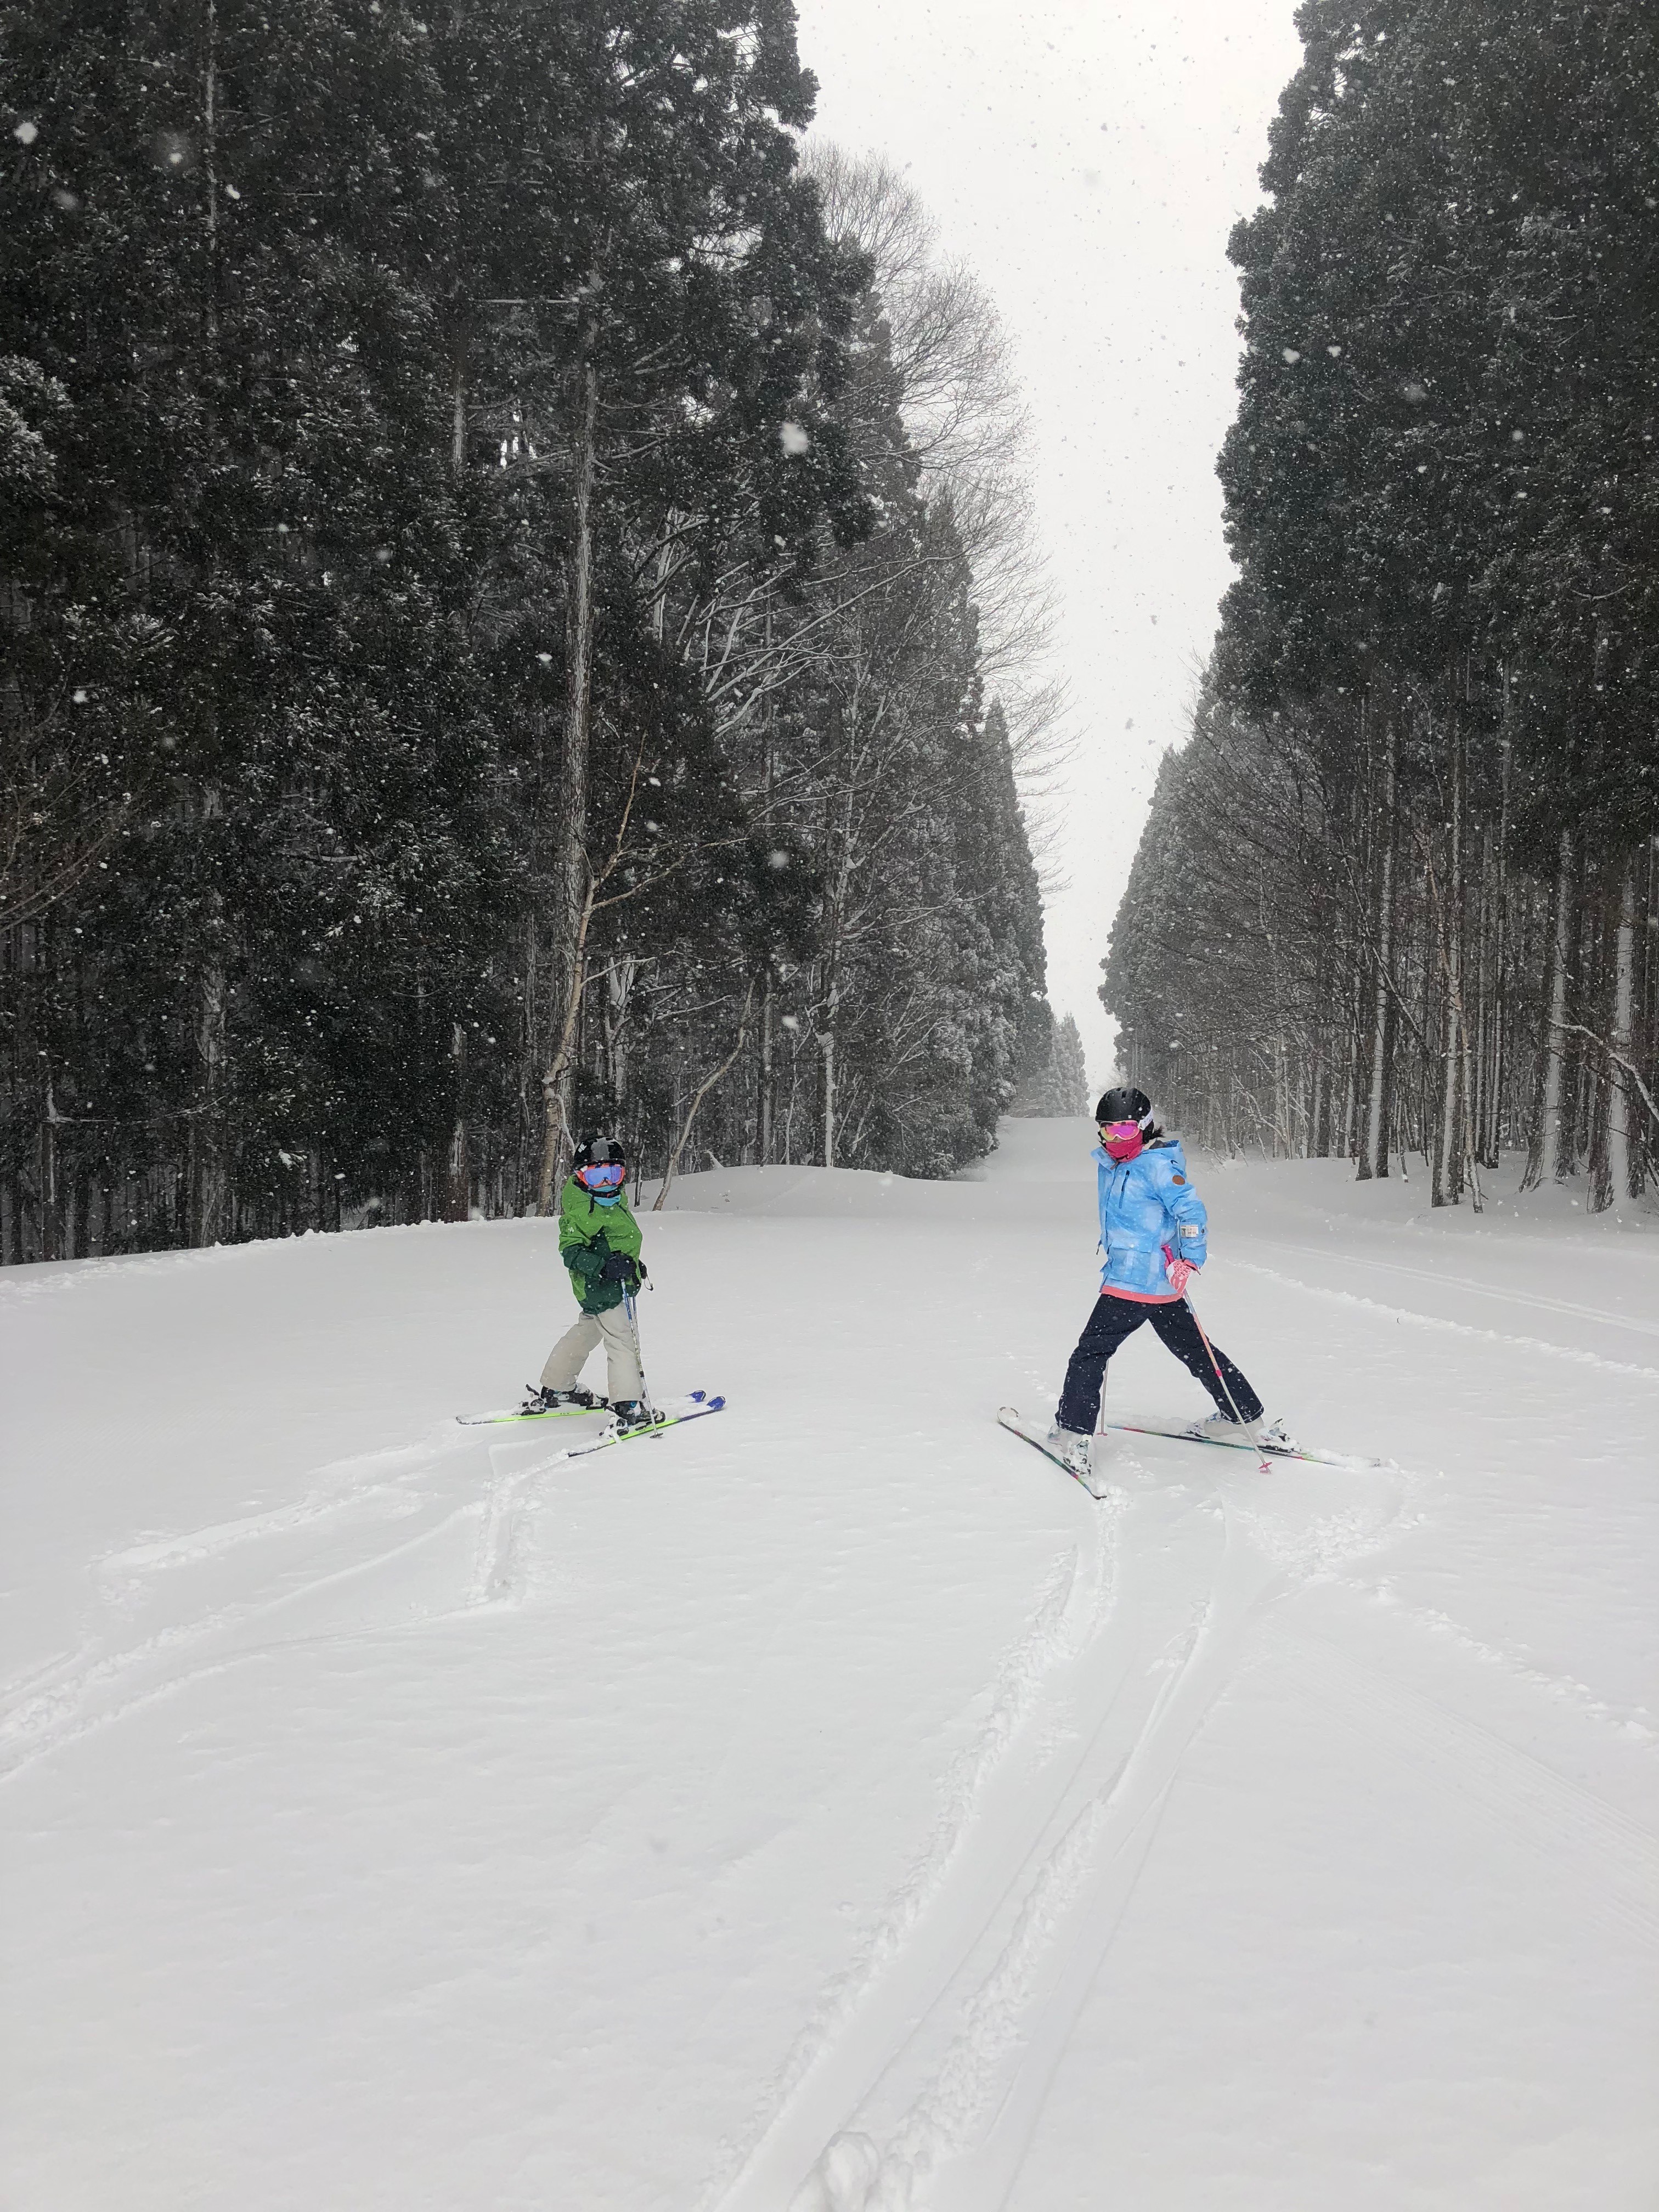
(619, 1268)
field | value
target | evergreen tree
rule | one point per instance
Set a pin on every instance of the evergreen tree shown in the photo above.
(432, 547)
(1058, 1087)
(1422, 789)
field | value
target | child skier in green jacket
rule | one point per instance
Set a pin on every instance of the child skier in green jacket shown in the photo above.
(600, 1244)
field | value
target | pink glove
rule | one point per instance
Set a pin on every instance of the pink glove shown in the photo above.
(1180, 1273)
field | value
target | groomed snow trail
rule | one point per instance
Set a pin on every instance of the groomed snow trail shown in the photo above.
(1050, 1869)
(827, 1808)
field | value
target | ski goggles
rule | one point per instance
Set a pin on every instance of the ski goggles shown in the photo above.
(601, 1175)
(1118, 1132)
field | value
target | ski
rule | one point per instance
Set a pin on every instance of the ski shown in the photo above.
(671, 1416)
(551, 1413)
(1037, 1438)
(1190, 1436)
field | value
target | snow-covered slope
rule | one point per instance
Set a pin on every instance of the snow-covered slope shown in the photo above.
(827, 1805)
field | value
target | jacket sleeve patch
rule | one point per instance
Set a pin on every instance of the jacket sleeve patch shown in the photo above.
(1179, 1178)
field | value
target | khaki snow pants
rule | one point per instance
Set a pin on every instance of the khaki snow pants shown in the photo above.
(621, 1354)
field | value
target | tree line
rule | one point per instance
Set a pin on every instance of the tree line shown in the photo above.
(515, 615)
(1059, 1086)
(1400, 892)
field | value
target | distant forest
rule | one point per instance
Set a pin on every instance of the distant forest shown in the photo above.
(516, 618)
(1060, 1084)
(1399, 893)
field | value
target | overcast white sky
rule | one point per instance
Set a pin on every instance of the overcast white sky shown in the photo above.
(1089, 158)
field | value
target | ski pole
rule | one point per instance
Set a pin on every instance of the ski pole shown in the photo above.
(631, 1309)
(1249, 1428)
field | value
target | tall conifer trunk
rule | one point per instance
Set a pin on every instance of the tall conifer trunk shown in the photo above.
(767, 1080)
(1623, 1167)
(767, 1103)
(828, 1045)
(208, 1183)
(1549, 1138)
(457, 411)
(458, 1194)
(1500, 996)
(1374, 1153)
(1448, 1163)
(571, 873)
(208, 1180)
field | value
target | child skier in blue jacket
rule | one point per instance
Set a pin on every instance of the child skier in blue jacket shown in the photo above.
(1152, 1225)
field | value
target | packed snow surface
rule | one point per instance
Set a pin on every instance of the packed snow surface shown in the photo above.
(826, 1805)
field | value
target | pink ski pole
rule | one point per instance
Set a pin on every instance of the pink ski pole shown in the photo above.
(1249, 1427)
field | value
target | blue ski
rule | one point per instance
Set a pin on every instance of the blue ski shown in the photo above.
(670, 1416)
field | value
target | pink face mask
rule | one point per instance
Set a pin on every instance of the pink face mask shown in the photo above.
(1122, 1140)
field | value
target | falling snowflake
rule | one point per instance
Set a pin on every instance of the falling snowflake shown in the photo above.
(793, 438)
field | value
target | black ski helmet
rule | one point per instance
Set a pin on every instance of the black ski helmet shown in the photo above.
(599, 1151)
(1125, 1103)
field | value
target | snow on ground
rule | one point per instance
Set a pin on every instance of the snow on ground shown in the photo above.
(827, 1805)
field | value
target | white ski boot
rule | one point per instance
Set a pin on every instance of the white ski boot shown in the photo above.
(1074, 1450)
(1271, 1435)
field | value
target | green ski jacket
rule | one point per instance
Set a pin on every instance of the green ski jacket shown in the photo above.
(588, 1234)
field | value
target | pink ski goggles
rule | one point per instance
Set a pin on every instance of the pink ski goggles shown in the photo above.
(1122, 1140)
(602, 1174)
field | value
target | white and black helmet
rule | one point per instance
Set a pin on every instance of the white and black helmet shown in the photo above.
(1125, 1103)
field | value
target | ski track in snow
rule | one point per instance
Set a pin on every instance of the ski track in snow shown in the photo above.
(1004, 1928)
(1450, 1328)
(1536, 1299)
(46, 1708)
(1073, 1601)
(1611, 1861)
(500, 1573)
(1017, 2027)
(386, 1500)
(1633, 1723)
(54, 1717)
(917, 2076)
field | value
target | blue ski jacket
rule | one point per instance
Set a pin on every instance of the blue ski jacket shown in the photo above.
(1147, 1203)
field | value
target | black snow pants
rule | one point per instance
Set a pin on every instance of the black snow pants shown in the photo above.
(1112, 1320)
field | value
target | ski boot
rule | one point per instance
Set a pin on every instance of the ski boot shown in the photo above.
(538, 1400)
(1073, 1450)
(629, 1413)
(1269, 1436)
